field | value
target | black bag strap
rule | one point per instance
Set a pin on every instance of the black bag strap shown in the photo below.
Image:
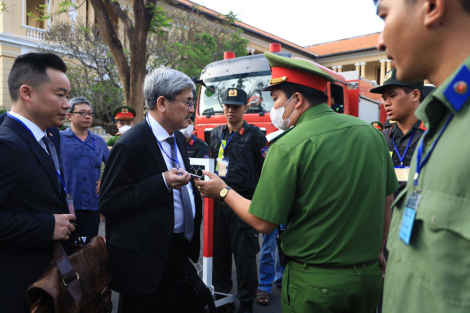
(70, 278)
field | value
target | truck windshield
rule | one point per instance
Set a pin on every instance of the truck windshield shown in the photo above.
(210, 102)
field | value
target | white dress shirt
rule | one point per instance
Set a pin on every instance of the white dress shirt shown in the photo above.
(161, 134)
(37, 132)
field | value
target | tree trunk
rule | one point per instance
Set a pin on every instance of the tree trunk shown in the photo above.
(131, 76)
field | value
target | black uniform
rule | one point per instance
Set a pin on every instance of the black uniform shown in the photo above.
(231, 234)
(401, 141)
(196, 148)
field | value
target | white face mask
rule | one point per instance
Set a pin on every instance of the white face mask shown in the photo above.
(124, 128)
(188, 131)
(276, 117)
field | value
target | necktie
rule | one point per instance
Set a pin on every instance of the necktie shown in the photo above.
(187, 209)
(53, 154)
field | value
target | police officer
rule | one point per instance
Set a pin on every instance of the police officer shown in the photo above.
(124, 116)
(429, 242)
(401, 101)
(333, 239)
(237, 148)
(196, 148)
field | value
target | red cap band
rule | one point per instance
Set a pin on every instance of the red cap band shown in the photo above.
(300, 78)
(124, 116)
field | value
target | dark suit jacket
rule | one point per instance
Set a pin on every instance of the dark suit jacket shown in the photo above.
(52, 133)
(139, 212)
(29, 195)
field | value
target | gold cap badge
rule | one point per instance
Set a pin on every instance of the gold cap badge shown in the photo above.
(278, 80)
(125, 111)
(388, 76)
(232, 93)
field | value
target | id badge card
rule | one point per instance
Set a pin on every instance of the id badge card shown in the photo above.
(408, 218)
(70, 204)
(402, 173)
(223, 167)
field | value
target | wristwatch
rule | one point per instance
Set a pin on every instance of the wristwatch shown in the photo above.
(224, 192)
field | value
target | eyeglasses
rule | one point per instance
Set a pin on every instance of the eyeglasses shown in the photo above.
(190, 104)
(85, 114)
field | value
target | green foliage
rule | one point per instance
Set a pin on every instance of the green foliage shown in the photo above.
(3, 110)
(185, 41)
(159, 19)
(3, 6)
(65, 5)
(230, 18)
(192, 42)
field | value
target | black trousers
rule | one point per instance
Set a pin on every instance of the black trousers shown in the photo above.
(169, 294)
(88, 223)
(232, 235)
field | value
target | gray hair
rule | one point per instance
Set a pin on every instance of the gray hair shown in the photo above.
(165, 82)
(78, 100)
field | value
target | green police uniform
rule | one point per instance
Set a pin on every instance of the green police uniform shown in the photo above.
(331, 194)
(121, 113)
(431, 274)
(112, 141)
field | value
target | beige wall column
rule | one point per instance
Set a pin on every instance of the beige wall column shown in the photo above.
(340, 68)
(358, 68)
(382, 71)
(334, 68)
(389, 65)
(363, 69)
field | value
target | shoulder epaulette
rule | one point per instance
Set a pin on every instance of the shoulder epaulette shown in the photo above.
(280, 135)
(458, 93)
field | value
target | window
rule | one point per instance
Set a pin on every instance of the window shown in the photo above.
(33, 12)
(258, 100)
(336, 92)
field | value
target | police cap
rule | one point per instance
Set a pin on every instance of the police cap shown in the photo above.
(296, 71)
(123, 113)
(391, 79)
(234, 96)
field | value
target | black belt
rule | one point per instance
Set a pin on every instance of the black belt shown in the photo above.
(352, 266)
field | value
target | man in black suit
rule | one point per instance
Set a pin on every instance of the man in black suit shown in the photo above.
(52, 134)
(33, 208)
(153, 209)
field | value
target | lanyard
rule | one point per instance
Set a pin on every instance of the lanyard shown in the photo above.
(62, 181)
(57, 171)
(406, 150)
(92, 139)
(419, 164)
(222, 143)
(161, 147)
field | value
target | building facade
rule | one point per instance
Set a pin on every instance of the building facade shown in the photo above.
(355, 54)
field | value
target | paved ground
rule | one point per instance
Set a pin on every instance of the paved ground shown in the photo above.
(275, 299)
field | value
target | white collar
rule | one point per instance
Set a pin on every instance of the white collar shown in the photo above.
(37, 132)
(158, 129)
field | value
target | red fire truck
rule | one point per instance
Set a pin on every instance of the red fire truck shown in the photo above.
(252, 73)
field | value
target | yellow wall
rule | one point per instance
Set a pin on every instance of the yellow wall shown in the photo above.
(7, 57)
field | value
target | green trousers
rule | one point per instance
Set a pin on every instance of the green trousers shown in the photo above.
(314, 290)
